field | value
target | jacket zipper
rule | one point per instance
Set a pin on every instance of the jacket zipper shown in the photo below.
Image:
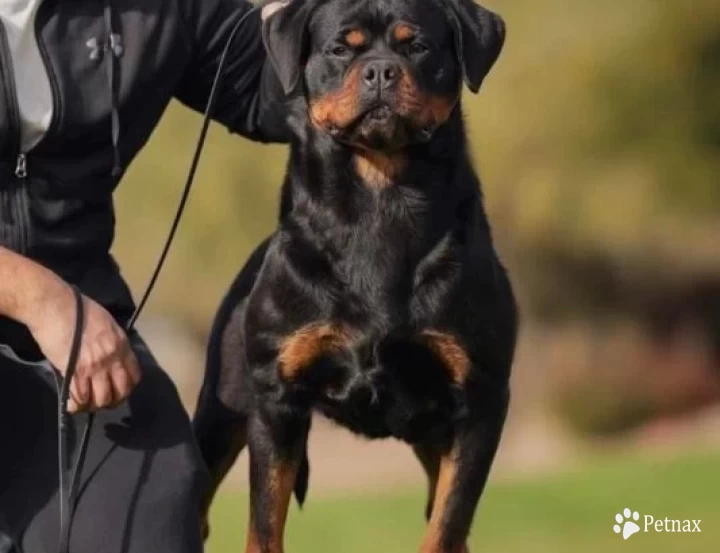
(14, 209)
(21, 171)
(21, 166)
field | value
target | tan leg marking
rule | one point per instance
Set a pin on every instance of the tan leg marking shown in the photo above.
(303, 347)
(280, 484)
(442, 490)
(451, 352)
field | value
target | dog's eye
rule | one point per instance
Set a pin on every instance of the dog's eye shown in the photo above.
(339, 50)
(418, 48)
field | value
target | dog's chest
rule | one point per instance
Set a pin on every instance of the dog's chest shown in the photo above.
(407, 385)
(386, 271)
(373, 358)
(389, 387)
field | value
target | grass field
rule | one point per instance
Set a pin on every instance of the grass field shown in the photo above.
(571, 512)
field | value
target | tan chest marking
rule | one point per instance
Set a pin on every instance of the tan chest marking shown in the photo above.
(378, 170)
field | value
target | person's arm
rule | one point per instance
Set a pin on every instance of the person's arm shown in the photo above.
(107, 370)
(27, 287)
(250, 100)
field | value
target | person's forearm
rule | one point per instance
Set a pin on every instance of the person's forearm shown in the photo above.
(24, 286)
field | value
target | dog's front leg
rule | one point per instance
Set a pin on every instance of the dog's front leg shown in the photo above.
(277, 444)
(459, 479)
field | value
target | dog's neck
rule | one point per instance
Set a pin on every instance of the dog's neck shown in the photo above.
(338, 193)
(327, 165)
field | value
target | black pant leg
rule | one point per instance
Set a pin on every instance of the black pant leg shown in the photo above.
(28, 442)
(142, 480)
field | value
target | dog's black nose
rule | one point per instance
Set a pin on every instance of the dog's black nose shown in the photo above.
(381, 74)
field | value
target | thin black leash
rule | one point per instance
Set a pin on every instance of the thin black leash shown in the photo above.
(68, 488)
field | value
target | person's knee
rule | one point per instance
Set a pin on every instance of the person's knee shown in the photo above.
(172, 502)
(184, 477)
(159, 511)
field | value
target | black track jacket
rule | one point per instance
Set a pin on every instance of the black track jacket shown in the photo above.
(114, 66)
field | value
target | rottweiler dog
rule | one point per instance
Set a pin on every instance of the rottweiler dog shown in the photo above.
(379, 301)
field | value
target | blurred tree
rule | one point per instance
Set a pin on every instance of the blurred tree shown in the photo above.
(658, 99)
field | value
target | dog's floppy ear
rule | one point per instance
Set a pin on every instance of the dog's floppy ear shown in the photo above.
(479, 38)
(284, 33)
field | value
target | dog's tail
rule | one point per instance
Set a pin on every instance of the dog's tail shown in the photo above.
(302, 479)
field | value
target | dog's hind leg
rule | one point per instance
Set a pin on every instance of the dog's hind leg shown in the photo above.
(220, 448)
(220, 422)
(221, 418)
(429, 457)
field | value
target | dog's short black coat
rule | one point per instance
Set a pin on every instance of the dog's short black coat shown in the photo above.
(379, 301)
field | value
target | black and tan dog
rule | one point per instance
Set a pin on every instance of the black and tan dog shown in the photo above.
(379, 301)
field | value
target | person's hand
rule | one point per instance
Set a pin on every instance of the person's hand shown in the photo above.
(107, 370)
(271, 7)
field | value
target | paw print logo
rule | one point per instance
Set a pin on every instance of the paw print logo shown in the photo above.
(625, 523)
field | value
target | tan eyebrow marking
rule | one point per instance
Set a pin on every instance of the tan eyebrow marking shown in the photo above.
(403, 32)
(355, 38)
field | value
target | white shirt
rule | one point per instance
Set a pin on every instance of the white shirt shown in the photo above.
(32, 84)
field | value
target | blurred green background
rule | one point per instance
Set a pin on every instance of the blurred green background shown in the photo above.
(597, 137)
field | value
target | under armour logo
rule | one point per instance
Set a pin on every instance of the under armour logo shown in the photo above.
(97, 49)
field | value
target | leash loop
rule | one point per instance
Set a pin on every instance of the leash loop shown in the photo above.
(66, 486)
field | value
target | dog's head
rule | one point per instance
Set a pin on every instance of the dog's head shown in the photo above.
(380, 74)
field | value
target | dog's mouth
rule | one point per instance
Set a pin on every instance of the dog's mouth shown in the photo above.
(381, 120)
(379, 127)
(378, 115)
